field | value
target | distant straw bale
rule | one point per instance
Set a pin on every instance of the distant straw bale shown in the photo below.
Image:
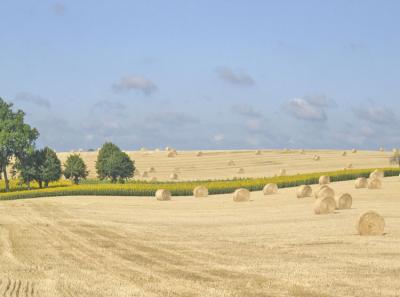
(240, 171)
(163, 195)
(231, 163)
(374, 183)
(324, 205)
(241, 195)
(324, 191)
(173, 176)
(377, 174)
(258, 152)
(304, 191)
(343, 201)
(200, 191)
(282, 172)
(370, 223)
(324, 180)
(270, 189)
(199, 154)
(361, 183)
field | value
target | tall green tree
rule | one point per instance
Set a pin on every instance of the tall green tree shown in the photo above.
(16, 137)
(50, 169)
(114, 164)
(75, 168)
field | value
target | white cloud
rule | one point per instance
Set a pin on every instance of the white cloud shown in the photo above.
(237, 78)
(305, 110)
(375, 114)
(246, 111)
(134, 82)
(219, 137)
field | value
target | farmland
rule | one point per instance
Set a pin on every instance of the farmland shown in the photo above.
(270, 246)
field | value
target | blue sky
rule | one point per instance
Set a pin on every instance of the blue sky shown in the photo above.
(204, 74)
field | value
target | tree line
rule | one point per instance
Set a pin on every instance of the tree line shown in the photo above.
(18, 151)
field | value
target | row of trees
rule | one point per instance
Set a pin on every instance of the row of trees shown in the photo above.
(18, 151)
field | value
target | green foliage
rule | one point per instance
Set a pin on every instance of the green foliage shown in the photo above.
(16, 137)
(50, 169)
(114, 164)
(139, 188)
(75, 168)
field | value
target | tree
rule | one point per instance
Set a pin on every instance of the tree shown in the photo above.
(28, 166)
(50, 169)
(395, 159)
(75, 168)
(16, 137)
(114, 164)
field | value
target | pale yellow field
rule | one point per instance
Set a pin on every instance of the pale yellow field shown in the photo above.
(214, 164)
(130, 246)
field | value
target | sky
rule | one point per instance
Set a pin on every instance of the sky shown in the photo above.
(204, 74)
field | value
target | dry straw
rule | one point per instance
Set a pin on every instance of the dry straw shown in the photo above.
(304, 191)
(374, 183)
(163, 195)
(282, 172)
(151, 169)
(324, 180)
(258, 152)
(145, 174)
(199, 154)
(370, 223)
(324, 191)
(344, 201)
(381, 149)
(240, 171)
(200, 191)
(316, 158)
(173, 176)
(231, 163)
(377, 174)
(361, 183)
(270, 189)
(324, 205)
(354, 151)
(344, 154)
(153, 179)
(171, 154)
(241, 195)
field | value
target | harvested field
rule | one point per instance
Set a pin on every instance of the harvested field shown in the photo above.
(270, 246)
(214, 164)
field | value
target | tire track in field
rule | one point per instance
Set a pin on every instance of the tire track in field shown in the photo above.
(17, 288)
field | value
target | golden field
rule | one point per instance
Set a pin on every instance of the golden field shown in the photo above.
(214, 164)
(212, 247)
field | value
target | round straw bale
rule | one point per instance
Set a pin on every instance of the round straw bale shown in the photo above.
(163, 195)
(343, 201)
(377, 174)
(282, 172)
(200, 191)
(199, 154)
(286, 150)
(241, 195)
(354, 151)
(395, 150)
(240, 171)
(145, 174)
(231, 163)
(374, 183)
(324, 205)
(304, 191)
(324, 180)
(171, 154)
(381, 149)
(153, 179)
(361, 183)
(316, 158)
(173, 176)
(143, 149)
(258, 152)
(270, 189)
(350, 166)
(167, 148)
(157, 150)
(344, 153)
(151, 169)
(324, 191)
(370, 223)
(302, 151)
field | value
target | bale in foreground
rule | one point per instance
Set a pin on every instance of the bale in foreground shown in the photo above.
(324, 191)
(304, 191)
(324, 205)
(163, 195)
(200, 191)
(344, 201)
(361, 183)
(241, 195)
(270, 189)
(370, 223)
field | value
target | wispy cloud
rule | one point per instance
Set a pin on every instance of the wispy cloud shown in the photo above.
(32, 99)
(305, 110)
(135, 82)
(246, 110)
(375, 114)
(58, 8)
(176, 119)
(237, 78)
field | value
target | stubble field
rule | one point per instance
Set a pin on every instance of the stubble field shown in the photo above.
(132, 246)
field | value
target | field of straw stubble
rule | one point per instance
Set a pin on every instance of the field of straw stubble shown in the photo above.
(212, 247)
